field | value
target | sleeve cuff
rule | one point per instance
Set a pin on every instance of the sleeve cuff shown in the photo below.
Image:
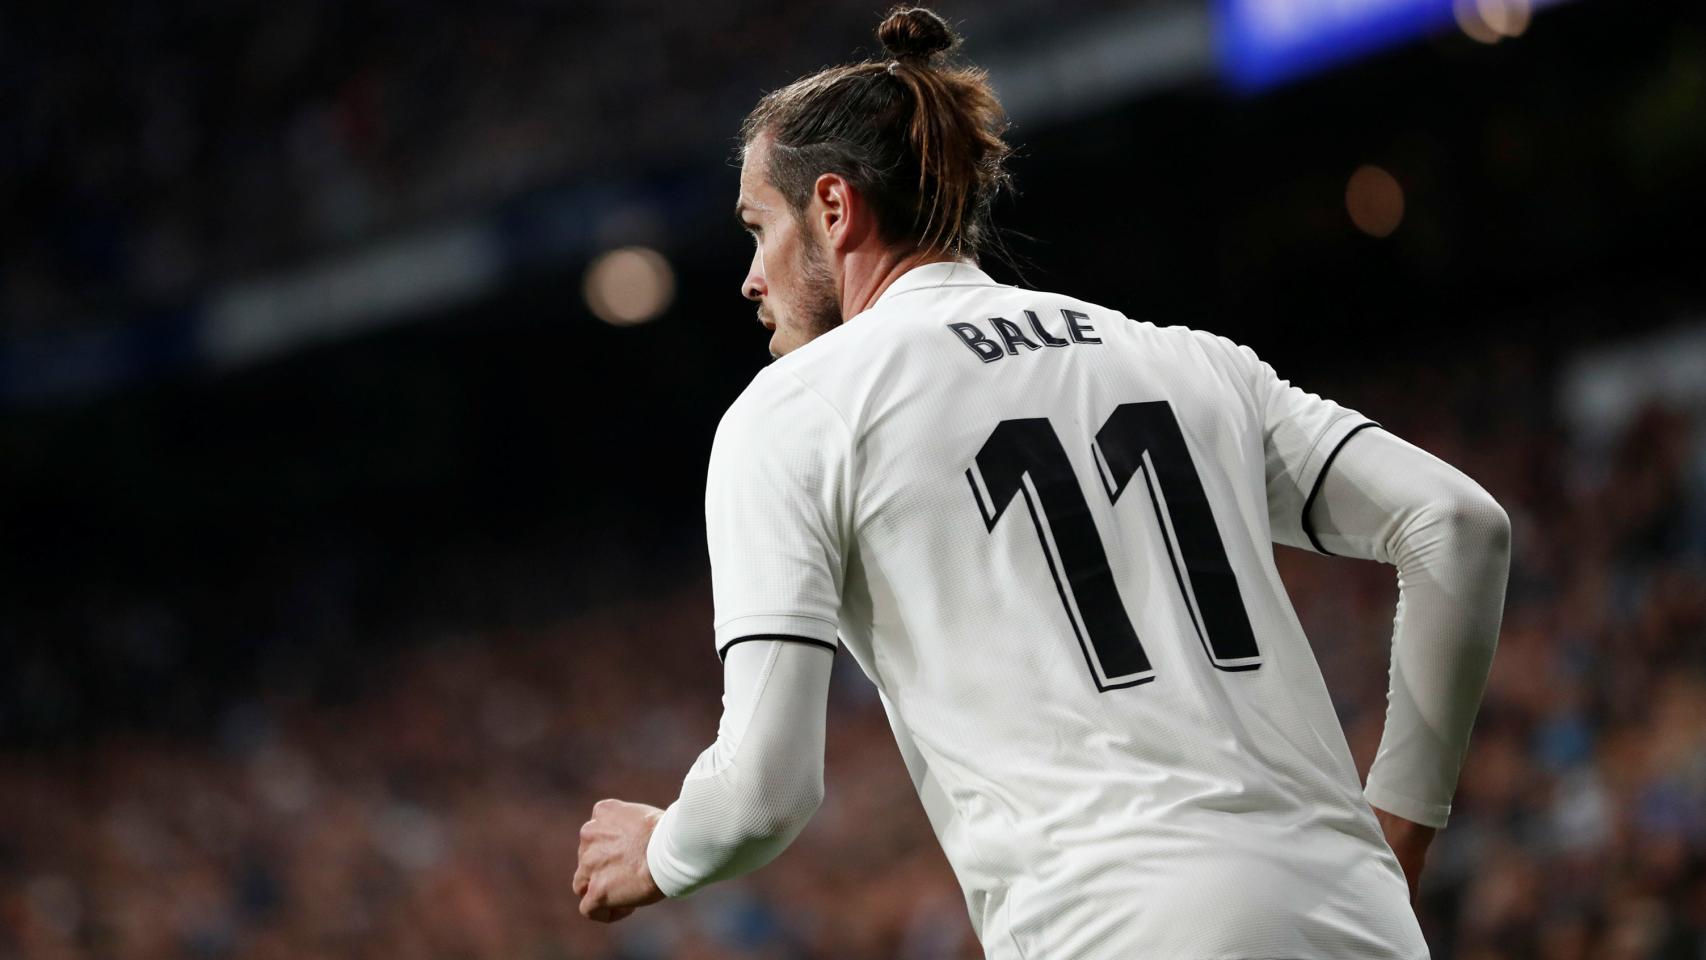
(666, 873)
(1331, 441)
(777, 627)
(1427, 814)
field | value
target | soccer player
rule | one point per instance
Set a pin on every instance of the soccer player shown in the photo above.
(1045, 532)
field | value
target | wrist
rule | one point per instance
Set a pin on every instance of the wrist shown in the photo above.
(660, 869)
(652, 821)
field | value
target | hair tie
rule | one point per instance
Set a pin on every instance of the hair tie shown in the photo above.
(894, 65)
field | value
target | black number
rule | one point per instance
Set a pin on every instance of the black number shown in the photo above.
(1137, 437)
(1019, 447)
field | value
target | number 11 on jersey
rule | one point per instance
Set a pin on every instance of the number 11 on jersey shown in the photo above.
(1137, 437)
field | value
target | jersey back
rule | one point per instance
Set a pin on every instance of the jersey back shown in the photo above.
(1045, 532)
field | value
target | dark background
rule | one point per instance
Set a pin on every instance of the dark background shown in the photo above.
(304, 589)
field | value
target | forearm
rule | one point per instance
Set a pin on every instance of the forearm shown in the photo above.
(752, 791)
(1451, 581)
(720, 829)
(1387, 500)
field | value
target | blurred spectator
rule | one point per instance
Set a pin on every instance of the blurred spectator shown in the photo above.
(158, 148)
(431, 809)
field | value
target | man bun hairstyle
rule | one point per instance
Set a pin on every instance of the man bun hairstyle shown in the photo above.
(918, 137)
(914, 33)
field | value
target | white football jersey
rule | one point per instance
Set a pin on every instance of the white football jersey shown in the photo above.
(1046, 531)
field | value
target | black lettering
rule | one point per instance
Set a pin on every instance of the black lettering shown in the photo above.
(1048, 339)
(986, 349)
(1012, 335)
(1079, 331)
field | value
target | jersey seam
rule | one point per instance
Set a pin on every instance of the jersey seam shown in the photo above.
(1322, 436)
(839, 416)
(776, 613)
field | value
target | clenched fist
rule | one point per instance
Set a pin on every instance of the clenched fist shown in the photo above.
(612, 877)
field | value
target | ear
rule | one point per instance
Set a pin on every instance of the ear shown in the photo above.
(841, 212)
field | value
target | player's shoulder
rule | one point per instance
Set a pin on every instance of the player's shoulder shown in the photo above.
(1219, 349)
(779, 400)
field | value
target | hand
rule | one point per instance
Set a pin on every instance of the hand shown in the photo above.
(612, 877)
(1409, 840)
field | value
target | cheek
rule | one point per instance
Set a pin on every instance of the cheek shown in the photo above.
(780, 249)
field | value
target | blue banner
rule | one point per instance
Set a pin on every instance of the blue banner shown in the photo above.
(1266, 42)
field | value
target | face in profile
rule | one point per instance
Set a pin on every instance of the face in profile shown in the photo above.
(789, 278)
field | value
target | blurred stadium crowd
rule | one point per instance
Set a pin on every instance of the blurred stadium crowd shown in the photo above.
(164, 146)
(433, 812)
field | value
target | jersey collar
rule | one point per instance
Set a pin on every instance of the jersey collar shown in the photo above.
(956, 273)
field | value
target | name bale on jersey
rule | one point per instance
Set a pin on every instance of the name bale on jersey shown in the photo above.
(1005, 337)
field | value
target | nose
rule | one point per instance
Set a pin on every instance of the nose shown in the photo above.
(753, 287)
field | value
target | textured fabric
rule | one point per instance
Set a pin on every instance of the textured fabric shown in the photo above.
(752, 791)
(777, 500)
(1386, 500)
(1045, 531)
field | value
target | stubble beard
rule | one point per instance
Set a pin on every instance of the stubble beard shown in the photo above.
(820, 309)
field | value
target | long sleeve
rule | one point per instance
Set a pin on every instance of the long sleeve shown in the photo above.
(1383, 499)
(751, 792)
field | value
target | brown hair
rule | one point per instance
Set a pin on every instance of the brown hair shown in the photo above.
(919, 139)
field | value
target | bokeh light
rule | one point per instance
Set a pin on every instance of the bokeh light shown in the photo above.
(1509, 18)
(1375, 201)
(1489, 21)
(629, 286)
(1469, 20)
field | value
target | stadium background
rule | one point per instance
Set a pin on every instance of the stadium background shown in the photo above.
(349, 557)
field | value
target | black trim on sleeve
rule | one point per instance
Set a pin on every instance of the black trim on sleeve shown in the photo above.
(1308, 528)
(724, 651)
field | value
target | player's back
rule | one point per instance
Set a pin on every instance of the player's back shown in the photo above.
(1059, 573)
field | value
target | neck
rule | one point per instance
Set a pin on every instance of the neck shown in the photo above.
(865, 275)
